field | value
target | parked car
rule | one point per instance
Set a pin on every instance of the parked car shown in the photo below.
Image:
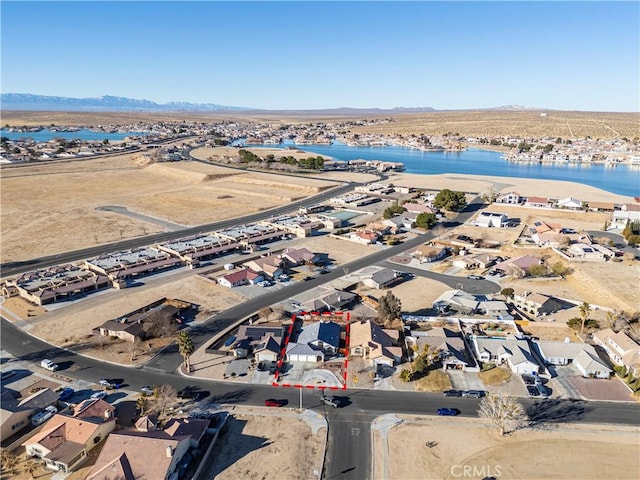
(542, 390)
(272, 402)
(262, 366)
(189, 394)
(532, 391)
(101, 394)
(41, 417)
(147, 390)
(452, 393)
(331, 401)
(307, 278)
(230, 340)
(49, 365)
(475, 277)
(65, 393)
(473, 393)
(448, 412)
(111, 384)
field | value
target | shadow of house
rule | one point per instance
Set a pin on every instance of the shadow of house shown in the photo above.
(234, 446)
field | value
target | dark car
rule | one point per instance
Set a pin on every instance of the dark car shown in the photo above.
(65, 393)
(532, 391)
(473, 393)
(188, 394)
(262, 366)
(7, 374)
(272, 402)
(448, 412)
(307, 278)
(452, 393)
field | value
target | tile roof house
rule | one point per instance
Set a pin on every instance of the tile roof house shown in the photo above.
(428, 253)
(519, 266)
(515, 353)
(364, 237)
(457, 300)
(15, 414)
(372, 342)
(298, 256)
(64, 441)
(382, 278)
(620, 348)
(537, 202)
(582, 355)
(537, 303)
(419, 208)
(269, 265)
(130, 455)
(241, 277)
(448, 344)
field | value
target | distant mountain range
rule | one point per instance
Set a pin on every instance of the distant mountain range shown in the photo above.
(108, 103)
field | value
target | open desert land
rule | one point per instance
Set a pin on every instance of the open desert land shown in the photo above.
(48, 209)
(554, 451)
(261, 445)
(520, 123)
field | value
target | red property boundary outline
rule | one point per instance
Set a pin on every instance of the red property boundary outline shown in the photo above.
(346, 316)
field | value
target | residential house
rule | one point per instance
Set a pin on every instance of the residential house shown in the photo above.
(466, 263)
(16, 414)
(193, 428)
(494, 309)
(295, 257)
(447, 345)
(537, 304)
(323, 336)
(485, 260)
(270, 266)
(65, 441)
(492, 219)
(510, 198)
(383, 228)
(516, 354)
(374, 343)
(400, 223)
(582, 355)
(570, 203)
(241, 277)
(301, 352)
(419, 208)
(608, 207)
(381, 278)
(428, 253)
(130, 455)
(364, 237)
(457, 300)
(628, 213)
(519, 266)
(267, 351)
(252, 337)
(620, 348)
(537, 202)
(326, 299)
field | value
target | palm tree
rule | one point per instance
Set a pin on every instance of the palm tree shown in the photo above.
(185, 346)
(585, 310)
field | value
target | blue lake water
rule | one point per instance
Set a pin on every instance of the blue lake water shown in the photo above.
(85, 134)
(620, 179)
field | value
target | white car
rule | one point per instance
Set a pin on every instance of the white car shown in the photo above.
(49, 365)
(101, 394)
(41, 417)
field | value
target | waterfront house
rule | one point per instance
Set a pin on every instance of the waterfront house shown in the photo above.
(570, 203)
(492, 219)
(510, 198)
(537, 202)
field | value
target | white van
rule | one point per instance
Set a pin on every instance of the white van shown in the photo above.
(41, 417)
(49, 365)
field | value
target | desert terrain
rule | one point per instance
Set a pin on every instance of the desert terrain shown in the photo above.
(554, 451)
(48, 209)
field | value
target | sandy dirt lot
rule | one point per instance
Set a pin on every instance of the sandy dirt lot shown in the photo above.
(61, 212)
(257, 447)
(416, 295)
(564, 451)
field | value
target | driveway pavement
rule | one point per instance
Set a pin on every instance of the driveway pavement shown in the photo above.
(601, 389)
(465, 380)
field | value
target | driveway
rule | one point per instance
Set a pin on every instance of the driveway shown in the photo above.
(601, 389)
(560, 383)
(465, 380)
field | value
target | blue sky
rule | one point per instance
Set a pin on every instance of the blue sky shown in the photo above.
(304, 55)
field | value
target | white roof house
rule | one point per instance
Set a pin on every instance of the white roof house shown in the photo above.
(515, 353)
(492, 219)
(582, 355)
(570, 203)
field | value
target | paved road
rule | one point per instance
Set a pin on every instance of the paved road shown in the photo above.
(166, 224)
(13, 268)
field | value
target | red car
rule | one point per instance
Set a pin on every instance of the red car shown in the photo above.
(272, 402)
